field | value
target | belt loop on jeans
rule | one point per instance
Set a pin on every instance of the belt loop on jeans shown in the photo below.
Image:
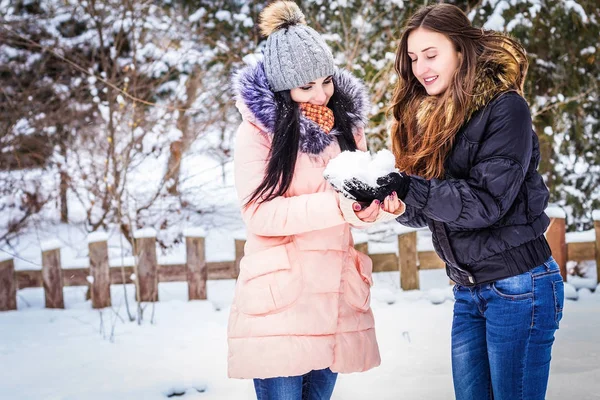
(547, 264)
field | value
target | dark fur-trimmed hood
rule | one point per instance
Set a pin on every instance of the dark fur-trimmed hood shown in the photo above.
(257, 104)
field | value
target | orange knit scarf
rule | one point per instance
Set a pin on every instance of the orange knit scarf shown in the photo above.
(321, 115)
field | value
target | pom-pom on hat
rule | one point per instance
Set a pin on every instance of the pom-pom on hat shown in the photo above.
(295, 54)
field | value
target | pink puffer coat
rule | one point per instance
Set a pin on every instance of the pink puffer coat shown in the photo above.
(302, 297)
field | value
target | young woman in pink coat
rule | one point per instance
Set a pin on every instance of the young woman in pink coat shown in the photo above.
(301, 310)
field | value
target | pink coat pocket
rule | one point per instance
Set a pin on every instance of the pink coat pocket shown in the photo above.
(269, 281)
(358, 279)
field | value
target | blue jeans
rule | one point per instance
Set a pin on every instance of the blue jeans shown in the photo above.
(502, 335)
(315, 385)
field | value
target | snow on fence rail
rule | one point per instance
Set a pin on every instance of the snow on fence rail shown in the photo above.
(147, 273)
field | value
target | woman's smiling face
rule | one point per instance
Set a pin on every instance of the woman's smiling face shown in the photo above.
(434, 59)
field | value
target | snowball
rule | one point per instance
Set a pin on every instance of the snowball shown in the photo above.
(579, 283)
(437, 296)
(200, 388)
(360, 165)
(570, 292)
(384, 295)
(584, 293)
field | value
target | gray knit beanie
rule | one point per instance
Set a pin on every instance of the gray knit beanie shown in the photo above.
(295, 54)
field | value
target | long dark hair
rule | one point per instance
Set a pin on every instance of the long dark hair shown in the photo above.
(286, 140)
(423, 151)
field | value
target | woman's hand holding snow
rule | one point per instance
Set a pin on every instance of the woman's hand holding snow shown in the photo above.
(397, 182)
(356, 174)
(393, 182)
(356, 189)
(369, 182)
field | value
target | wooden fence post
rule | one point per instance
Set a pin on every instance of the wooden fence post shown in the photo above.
(407, 261)
(596, 218)
(556, 237)
(52, 275)
(8, 286)
(196, 268)
(239, 253)
(146, 273)
(99, 269)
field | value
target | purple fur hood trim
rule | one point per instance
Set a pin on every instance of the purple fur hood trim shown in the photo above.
(257, 104)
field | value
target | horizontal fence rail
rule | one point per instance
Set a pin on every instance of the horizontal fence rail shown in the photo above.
(147, 273)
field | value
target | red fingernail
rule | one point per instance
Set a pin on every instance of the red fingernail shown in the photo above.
(376, 202)
(356, 207)
(394, 194)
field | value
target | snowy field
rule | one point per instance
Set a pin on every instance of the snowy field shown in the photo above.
(85, 354)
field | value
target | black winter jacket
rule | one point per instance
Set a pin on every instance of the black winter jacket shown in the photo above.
(487, 215)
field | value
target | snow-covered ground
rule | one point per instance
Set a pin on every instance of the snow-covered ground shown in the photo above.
(84, 354)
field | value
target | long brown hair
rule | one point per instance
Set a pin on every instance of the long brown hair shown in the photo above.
(424, 127)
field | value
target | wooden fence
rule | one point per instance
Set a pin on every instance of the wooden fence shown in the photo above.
(147, 273)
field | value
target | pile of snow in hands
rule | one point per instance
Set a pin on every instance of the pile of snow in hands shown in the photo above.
(360, 165)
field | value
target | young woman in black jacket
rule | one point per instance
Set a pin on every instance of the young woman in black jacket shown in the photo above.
(463, 139)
